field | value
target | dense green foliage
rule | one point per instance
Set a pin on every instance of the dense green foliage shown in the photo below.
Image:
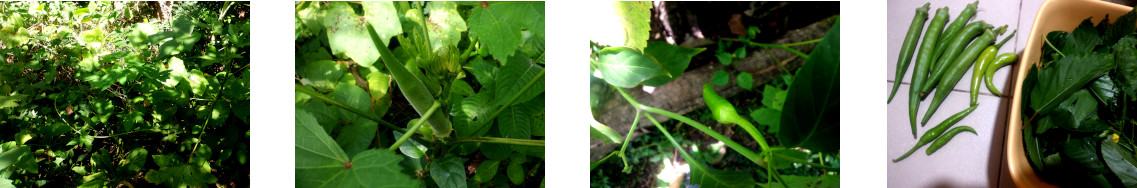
(1078, 105)
(98, 94)
(808, 131)
(468, 77)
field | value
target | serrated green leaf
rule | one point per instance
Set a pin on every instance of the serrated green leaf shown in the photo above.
(357, 137)
(136, 160)
(635, 19)
(720, 78)
(483, 71)
(499, 26)
(674, 59)
(626, 67)
(348, 36)
(449, 171)
(352, 96)
(1066, 76)
(322, 74)
(11, 101)
(515, 122)
(321, 163)
(515, 76)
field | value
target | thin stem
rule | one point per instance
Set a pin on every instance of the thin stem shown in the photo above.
(361, 113)
(416, 126)
(784, 47)
(597, 163)
(511, 141)
(511, 99)
(804, 42)
(797, 160)
(628, 139)
(729, 143)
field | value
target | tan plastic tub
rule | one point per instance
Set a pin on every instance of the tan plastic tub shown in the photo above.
(1064, 15)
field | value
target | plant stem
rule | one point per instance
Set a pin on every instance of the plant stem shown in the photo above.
(815, 165)
(511, 141)
(511, 99)
(597, 163)
(325, 98)
(415, 127)
(729, 143)
(628, 139)
(804, 42)
(784, 47)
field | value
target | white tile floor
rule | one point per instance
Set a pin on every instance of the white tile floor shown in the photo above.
(968, 160)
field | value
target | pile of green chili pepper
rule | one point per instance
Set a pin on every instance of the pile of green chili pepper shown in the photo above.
(945, 54)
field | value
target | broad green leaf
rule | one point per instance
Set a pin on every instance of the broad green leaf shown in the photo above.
(515, 76)
(136, 160)
(496, 151)
(705, 177)
(6, 183)
(10, 101)
(745, 80)
(773, 97)
(674, 59)
(767, 117)
(499, 25)
(515, 122)
(179, 39)
(1066, 76)
(626, 67)
(321, 163)
(1125, 58)
(449, 171)
(352, 96)
(358, 136)
(811, 115)
(177, 72)
(89, 62)
(1083, 152)
(782, 164)
(1120, 161)
(92, 38)
(514, 171)
(348, 35)
(486, 171)
(459, 88)
(445, 25)
(798, 181)
(322, 74)
(179, 174)
(623, 23)
(379, 84)
(483, 71)
(1077, 113)
(310, 14)
(720, 78)
(10, 156)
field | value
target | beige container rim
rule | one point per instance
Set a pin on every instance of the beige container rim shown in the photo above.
(1064, 15)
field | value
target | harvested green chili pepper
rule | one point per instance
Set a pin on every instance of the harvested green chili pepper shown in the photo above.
(935, 132)
(989, 71)
(951, 54)
(954, 28)
(923, 60)
(955, 72)
(943, 140)
(909, 46)
(988, 55)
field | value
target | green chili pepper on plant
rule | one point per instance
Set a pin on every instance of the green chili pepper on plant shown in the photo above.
(724, 112)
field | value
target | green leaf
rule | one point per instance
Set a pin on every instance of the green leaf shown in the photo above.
(175, 173)
(1066, 76)
(352, 96)
(449, 171)
(515, 172)
(486, 171)
(417, 94)
(724, 58)
(1125, 58)
(411, 148)
(136, 160)
(514, 76)
(445, 25)
(674, 59)
(348, 36)
(498, 27)
(705, 177)
(626, 67)
(321, 163)
(10, 101)
(483, 71)
(798, 181)
(515, 122)
(358, 136)
(1077, 113)
(603, 132)
(782, 164)
(1083, 152)
(745, 80)
(459, 88)
(740, 53)
(720, 78)
(1120, 161)
(177, 72)
(811, 116)
(10, 156)
(635, 20)
(768, 117)
(322, 74)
